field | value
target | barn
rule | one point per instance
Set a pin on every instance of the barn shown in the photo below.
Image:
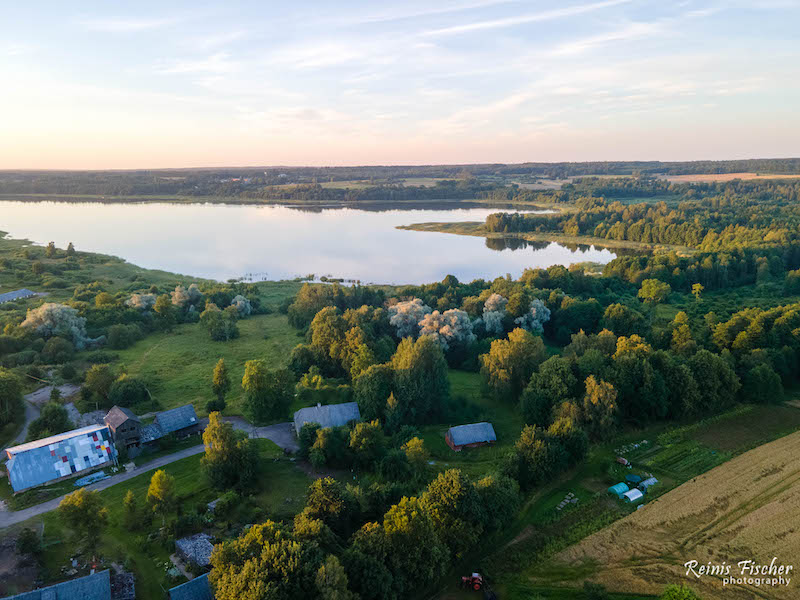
(59, 456)
(470, 436)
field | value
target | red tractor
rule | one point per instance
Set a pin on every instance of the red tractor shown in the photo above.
(474, 581)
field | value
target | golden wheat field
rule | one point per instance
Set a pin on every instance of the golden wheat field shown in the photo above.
(747, 508)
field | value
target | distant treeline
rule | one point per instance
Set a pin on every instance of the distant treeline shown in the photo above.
(263, 182)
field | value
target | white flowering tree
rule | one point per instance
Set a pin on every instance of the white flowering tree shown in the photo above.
(57, 319)
(180, 296)
(494, 311)
(242, 305)
(450, 328)
(535, 318)
(405, 316)
(142, 301)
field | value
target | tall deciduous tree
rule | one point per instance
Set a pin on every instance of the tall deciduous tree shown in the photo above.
(268, 394)
(10, 395)
(161, 494)
(220, 384)
(229, 460)
(421, 383)
(599, 410)
(508, 366)
(85, 515)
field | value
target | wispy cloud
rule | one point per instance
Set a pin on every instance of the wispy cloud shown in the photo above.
(124, 24)
(548, 15)
(632, 31)
(216, 63)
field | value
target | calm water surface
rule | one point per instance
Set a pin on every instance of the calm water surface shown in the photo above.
(275, 242)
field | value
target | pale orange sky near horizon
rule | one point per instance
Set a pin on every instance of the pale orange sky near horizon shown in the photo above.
(144, 85)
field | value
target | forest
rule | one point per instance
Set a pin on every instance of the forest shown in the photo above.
(577, 359)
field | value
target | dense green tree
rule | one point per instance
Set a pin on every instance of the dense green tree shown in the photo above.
(551, 385)
(332, 582)
(220, 385)
(161, 495)
(230, 459)
(165, 312)
(762, 384)
(265, 563)
(84, 513)
(599, 410)
(623, 320)
(268, 394)
(421, 382)
(367, 443)
(221, 324)
(455, 508)
(508, 366)
(654, 291)
(536, 456)
(678, 592)
(719, 381)
(58, 350)
(329, 501)
(52, 419)
(10, 395)
(99, 379)
(128, 391)
(372, 388)
(500, 498)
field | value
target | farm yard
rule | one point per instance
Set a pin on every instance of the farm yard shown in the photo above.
(747, 508)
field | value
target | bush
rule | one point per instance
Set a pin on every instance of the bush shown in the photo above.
(57, 350)
(127, 391)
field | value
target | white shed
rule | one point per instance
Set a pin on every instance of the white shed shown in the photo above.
(633, 495)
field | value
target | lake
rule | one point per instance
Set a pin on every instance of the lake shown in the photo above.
(219, 241)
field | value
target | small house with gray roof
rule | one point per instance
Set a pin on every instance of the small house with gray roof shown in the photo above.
(470, 436)
(328, 415)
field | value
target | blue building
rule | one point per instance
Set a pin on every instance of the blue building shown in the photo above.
(59, 456)
(92, 587)
(470, 436)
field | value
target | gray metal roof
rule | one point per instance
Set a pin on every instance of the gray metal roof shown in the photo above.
(91, 587)
(196, 548)
(329, 415)
(176, 419)
(151, 433)
(53, 439)
(16, 295)
(118, 415)
(473, 433)
(59, 456)
(197, 589)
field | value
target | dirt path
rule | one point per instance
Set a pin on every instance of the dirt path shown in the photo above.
(33, 402)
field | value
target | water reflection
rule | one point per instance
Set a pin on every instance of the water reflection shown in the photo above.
(220, 241)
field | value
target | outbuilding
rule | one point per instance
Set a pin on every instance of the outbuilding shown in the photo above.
(470, 436)
(618, 489)
(647, 484)
(16, 295)
(633, 495)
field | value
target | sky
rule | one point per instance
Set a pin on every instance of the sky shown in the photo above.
(153, 84)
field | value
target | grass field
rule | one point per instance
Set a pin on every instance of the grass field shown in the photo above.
(177, 366)
(747, 508)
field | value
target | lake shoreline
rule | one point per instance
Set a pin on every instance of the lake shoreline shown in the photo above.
(478, 229)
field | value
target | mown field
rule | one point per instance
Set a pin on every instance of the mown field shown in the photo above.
(520, 561)
(747, 508)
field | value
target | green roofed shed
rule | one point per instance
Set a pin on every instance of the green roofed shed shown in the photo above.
(618, 490)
